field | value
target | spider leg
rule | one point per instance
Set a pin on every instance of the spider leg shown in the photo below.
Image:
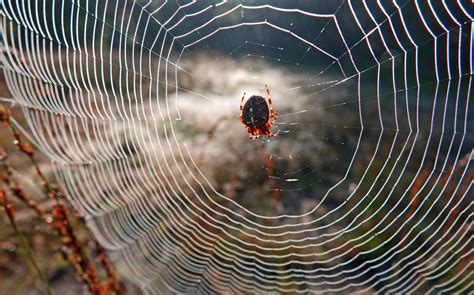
(242, 108)
(242, 103)
(270, 106)
(252, 134)
(267, 90)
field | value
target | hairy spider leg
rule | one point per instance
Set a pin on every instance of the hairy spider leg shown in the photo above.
(242, 109)
(272, 112)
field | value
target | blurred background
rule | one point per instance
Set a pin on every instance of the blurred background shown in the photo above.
(133, 108)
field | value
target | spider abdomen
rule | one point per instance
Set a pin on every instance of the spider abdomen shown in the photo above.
(255, 112)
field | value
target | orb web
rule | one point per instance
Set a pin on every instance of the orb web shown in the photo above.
(366, 187)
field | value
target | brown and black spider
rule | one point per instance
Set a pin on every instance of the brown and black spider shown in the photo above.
(257, 115)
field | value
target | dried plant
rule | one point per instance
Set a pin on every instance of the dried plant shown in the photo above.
(59, 216)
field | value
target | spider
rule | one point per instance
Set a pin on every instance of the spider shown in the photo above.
(257, 115)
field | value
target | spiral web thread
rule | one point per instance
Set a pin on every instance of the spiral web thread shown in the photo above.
(98, 83)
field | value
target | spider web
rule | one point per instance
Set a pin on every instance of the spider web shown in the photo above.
(366, 187)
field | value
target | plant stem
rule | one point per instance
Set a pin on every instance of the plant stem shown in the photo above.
(27, 249)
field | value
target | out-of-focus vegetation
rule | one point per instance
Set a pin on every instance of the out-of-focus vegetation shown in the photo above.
(46, 246)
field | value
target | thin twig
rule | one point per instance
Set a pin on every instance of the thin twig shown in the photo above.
(72, 250)
(24, 245)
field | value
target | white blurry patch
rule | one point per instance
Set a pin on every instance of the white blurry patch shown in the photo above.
(217, 143)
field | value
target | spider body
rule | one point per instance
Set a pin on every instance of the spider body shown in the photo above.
(256, 112)
(257, 115)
